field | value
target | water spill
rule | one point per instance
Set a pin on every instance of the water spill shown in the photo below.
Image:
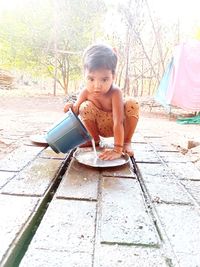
(94, 148)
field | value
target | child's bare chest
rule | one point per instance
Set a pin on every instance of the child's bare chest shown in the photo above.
(102, 102)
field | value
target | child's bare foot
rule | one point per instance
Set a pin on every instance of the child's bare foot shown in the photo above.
(128, 149)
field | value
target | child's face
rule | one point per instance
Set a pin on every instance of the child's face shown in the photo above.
(99, 81)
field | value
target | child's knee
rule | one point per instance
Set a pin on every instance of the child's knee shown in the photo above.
(131, 108)
(86, 110)
(84, 106)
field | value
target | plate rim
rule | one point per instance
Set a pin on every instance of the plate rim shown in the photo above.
(35, 141)
(81, 150)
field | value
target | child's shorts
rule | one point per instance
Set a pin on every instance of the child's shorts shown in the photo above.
(104, 119)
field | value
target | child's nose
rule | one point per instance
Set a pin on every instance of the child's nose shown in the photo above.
(97, 85)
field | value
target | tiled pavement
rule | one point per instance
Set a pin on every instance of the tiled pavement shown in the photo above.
(88, 217)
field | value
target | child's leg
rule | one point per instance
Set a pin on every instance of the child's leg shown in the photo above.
(131, 110)
(87, 113)
(98, 122)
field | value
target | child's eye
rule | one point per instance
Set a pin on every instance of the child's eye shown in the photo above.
(90, 79)
(105, 80)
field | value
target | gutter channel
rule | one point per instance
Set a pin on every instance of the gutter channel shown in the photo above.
(20, 245)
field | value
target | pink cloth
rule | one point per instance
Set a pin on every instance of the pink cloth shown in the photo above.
(184, 85)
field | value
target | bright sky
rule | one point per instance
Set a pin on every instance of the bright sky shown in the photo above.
(169, 9)
(8, 4)
(172, 9)
(187, 11)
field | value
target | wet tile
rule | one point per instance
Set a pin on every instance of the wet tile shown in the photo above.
(50, 154)
(19, 158)
(79, 182)
(35, 179)
(125, 170)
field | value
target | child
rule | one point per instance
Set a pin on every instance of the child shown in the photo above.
(100, 104)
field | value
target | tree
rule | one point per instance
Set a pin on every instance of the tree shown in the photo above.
(29, 36)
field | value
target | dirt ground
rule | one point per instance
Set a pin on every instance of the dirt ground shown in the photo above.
(27, 111)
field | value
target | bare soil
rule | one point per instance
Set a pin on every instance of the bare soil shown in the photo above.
(28, 111)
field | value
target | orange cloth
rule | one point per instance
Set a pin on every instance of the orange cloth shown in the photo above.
(104, 119)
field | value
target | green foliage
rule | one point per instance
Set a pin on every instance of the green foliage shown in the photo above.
(47, 38)
(23, 35)
(29, 32)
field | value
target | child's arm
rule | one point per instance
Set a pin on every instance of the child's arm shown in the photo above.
(75, 106)
(118, 120)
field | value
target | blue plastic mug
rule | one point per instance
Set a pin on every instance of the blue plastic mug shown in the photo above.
(67, 134)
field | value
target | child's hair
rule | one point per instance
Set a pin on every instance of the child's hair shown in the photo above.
(99, 56)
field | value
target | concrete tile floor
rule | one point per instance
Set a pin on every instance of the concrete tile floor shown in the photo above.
(95, 217)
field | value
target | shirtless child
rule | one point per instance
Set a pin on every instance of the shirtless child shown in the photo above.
(100, 104)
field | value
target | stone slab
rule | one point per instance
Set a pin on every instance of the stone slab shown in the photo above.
(125, 170)
(48, 153)
(186, 260)
(162, 146)
(151, 137)
(124, 218)
(172, 157)
(109, 141)
(142, 147)
(185, 170)
(68, 226)
(15, 211)
(161, 184)
(138, 137)
(19, 158)
(193, 188)
(167, 192)
(155, 172)
(79, 182)
(157, 179)
(6, 141)
(148, 156)
(128, 256)
(34, 179)
(52, 258)
(182, 227)
(6, 177)
(10, 137)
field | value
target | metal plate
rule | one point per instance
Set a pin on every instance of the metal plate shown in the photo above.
(87, 157)
(39, 140)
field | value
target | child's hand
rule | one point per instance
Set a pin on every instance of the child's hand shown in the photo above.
(67, 106)
(109, 154)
